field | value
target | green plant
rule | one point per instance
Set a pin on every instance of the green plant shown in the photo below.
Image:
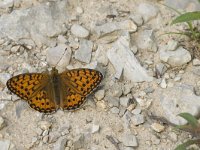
(193, 127)
(192, 31)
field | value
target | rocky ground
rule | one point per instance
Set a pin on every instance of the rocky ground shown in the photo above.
(145, 73)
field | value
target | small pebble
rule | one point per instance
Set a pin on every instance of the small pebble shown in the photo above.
(95, 128)
(163, 84)
(44, 125)
(99, 95)
(2, 123)
(136, 111)
(157, 127)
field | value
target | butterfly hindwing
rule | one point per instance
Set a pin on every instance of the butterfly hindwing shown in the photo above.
(42, 102)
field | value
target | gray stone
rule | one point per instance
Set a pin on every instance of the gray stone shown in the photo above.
(84, 53)
(112, 101)
(147, 10)
(61, 39)
(99, 95)
(136, 111)
(137, 18)
(124, 60)
(129, 140)
(79, 31)
(172, 45)
(146, 40)
(149, 90)
(4, 62)
(160, 69)
(175, 58)
(59, 56)
(60, 144)
(5, 144)
(79, 142)
(163, 83)
(116, 90)
(29, 27)
(124, 101)
(114, 110)
(110, 27)
(127, 88)
(4, 78)
(179, 99)
(191, 5)
(95, 128)
(2, 123)
(137, 119)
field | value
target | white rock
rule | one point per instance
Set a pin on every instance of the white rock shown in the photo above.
(44, 125)
(5, 144)
(122, 58)
(5, 4)
(129, 140)
(146, 40)
(79, 31)
(110, 27)
(175, 58)
(4, 78)
(178, 78)
(28, 26)
(163, 84)
(138, 119)
(157, 127)
(179, 99)
(124, 101)
(79, 10)
(147, 10)
(134, 49)
(59, 56)
(172, 45)
(99, 95)
(84, 53)
(100, 55)
(196, 62)
(114, 110)
(2, 123)
(14, 49)
(95, 128)
(137, 18)
(115, 90)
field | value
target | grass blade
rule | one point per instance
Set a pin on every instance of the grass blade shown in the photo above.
(191, 119)
(186, 17)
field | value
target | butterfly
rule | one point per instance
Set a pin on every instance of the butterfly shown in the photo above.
(47, 93)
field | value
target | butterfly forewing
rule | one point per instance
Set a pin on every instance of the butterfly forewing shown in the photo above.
(27, 85)
(77, 84)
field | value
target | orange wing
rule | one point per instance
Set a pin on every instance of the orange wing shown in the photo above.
(27, 85)
(43, 102)
(76, 85)
(33, 87)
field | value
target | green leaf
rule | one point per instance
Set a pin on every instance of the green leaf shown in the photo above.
(186, 17)
(191, 119)
(186, 144)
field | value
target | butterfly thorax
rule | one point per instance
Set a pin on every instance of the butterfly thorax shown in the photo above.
(55, 82)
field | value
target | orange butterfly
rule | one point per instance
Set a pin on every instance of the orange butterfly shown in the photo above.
(48, 92)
